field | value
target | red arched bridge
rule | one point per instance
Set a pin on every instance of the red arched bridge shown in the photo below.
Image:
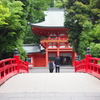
(83, 86)
(10, 67)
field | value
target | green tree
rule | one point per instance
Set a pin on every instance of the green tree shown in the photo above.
(95, 49)
(50, 3)
(82, 17)
(89, 36)
(33, 13)
(4, 13)
(59, 3)
(12, 29)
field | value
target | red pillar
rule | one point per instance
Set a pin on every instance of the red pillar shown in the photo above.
(58, 52)
(73, 58)
(46, 57)
(32, 60)
(58, 49)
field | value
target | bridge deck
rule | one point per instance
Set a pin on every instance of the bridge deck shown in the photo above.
(51, 86)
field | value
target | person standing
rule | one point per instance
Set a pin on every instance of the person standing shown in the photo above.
(57, 64)
(51, 66)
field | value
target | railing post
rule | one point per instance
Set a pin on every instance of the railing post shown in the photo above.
(17, 59)
(76, 62)
(88, 54)
(26, 61)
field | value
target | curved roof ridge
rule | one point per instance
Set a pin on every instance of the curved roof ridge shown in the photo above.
(54, 18)
(55, 9)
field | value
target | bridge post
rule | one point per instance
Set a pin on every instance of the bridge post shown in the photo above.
(76, 62)
(17, 59)
(88, 54)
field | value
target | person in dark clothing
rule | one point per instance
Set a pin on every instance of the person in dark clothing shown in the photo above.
(51, 66)
(57, 64)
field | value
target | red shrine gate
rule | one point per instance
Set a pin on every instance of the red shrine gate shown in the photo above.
(55, 44)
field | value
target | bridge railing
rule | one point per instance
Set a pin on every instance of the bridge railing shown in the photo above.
(89, 65)
(12, 66)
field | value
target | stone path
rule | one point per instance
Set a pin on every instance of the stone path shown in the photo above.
(63, 69)
(51, 86)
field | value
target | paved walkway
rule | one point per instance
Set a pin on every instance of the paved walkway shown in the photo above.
(63, 69)
(51, 86)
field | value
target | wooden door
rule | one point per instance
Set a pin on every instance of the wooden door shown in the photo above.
(39, 60)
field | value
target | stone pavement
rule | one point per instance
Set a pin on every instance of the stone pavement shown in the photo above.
(63, 69)
(51, 86)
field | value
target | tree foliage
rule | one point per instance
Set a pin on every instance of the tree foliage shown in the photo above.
(33, 13)
(95, 49)
(14, 18)
(50, 3)
(11, 33)
(82, 18)
(4, 13)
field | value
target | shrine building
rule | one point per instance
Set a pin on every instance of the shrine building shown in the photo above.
(55, 40)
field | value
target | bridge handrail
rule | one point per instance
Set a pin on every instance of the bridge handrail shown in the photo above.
(12, 66)
(88, 65)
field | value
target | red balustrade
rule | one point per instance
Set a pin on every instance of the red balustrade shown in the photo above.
(88, 65)
(80, 66)
(12, 66)
(59, 38)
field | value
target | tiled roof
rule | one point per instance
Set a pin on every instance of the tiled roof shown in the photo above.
(54, 18)
(31, 48)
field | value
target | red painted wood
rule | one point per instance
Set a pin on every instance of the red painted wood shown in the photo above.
(53, 37)
(12, 66)
(43, 31)
(89, 65)
(39, 60)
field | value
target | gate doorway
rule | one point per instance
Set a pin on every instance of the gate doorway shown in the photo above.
(66, 60)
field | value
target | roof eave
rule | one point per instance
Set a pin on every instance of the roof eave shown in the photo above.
(47, 26)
